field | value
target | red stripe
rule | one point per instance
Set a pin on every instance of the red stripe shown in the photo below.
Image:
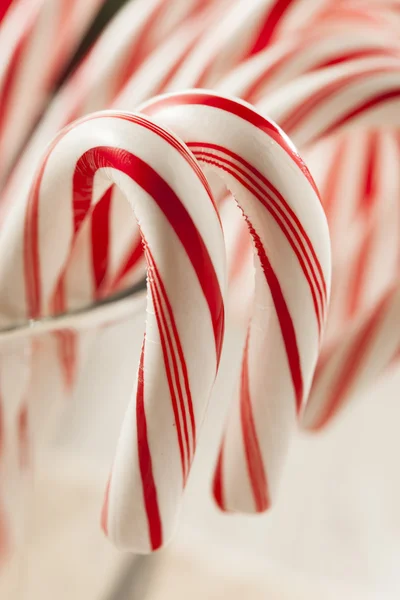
(255, 465)
(271, 207)
(368, 198)
(67, 342)
(356, 55)
(31, 250)
(149, 489)
(308, 105)
(100, 236)
(218, 486)
(363, 107)
(333, 177)
(239, 110)
(181, 357)
(268, 27)
(104, 510)
(369, 191)
(68, 355)
(171, 373)
(23, 437)
(352, 363)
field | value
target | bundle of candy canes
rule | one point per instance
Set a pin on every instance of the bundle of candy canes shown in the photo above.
(201, 104)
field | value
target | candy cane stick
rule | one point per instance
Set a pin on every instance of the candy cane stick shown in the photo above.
(355, 93)
(292, 278)
(289, 58)
(37, 39)
(247, 29)
(184, 250)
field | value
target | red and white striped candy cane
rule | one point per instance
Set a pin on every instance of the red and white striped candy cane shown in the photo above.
(245, 31)
(292, 279)
(289, 58)
(37, 38)
(184, 250)
(133, 34)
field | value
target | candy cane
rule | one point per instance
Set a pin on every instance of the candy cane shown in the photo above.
(247, 29)
(37, 39)
(292, 279)
(184, 250)
(289, 58)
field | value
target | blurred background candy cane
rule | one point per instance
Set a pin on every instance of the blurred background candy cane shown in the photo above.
(38, 39)
(364, 94)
